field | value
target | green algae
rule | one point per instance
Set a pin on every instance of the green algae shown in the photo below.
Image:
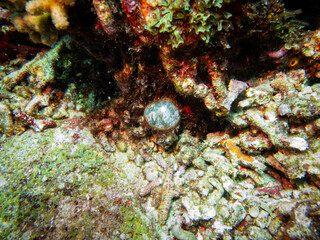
(135, 225)
(204, 18)
(42, 180)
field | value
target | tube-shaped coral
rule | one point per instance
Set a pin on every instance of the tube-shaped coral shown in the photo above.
(57, 10)
(42, 19)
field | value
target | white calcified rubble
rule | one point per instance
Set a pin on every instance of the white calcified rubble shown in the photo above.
(224, 180)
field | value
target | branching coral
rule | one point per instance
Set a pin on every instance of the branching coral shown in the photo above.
(41, 19)
(56, 9)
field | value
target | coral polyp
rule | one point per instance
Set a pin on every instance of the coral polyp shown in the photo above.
(162, 115)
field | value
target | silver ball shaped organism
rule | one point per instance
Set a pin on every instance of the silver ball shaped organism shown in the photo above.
(162, 115)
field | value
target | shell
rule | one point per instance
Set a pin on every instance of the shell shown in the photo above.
(162, 115)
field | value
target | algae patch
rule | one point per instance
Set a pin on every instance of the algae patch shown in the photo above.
(61, 190)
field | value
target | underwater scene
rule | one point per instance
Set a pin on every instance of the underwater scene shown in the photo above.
(159, 119)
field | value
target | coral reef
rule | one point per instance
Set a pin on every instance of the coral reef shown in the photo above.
(159, 120)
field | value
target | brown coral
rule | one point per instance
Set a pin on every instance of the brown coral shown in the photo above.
(42, 19)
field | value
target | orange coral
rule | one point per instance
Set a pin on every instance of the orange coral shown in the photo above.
(57, 10)
(43, 19)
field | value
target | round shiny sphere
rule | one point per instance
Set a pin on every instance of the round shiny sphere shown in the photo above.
(162, 115)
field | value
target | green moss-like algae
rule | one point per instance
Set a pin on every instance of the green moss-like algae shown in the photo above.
(43, 184)
(204, 19)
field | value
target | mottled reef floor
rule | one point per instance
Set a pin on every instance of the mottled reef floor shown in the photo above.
(62, 184)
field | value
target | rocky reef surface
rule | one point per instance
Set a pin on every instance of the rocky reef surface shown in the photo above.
(159, 120)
